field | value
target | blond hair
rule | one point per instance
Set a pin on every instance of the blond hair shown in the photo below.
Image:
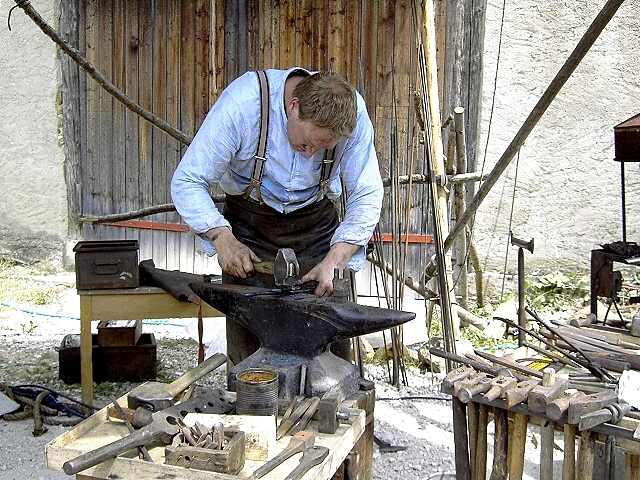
(328, 101)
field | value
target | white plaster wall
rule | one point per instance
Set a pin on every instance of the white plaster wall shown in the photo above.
(32, 186)
(568, 194)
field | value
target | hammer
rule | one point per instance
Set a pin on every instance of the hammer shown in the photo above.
(285, 268)
(156, 396)
(522, 316)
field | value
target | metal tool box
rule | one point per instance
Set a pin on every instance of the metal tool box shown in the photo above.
(133, 363)
(106, 264)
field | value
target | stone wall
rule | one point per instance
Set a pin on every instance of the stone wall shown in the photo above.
(568, 188)
(32, 186)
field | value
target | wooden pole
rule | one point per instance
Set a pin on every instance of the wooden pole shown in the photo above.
(569, 66)
(439, 194)
(569, 460)
(517, 442)
(461, 440)
(474, 24)
(459, 205)
(481, 443)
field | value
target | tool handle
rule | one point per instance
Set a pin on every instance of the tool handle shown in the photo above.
(193, 375)
(311, 457)
(263, 267)
(111, 450)
(295, 446)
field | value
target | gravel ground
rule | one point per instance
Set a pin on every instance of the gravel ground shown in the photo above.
(28, 355)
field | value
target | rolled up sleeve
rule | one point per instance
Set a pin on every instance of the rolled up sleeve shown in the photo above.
(364, 191)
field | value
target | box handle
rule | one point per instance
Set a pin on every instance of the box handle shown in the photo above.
(106, 268)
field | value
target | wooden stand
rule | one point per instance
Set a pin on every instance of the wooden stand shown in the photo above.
(350, 451)
(126, 304)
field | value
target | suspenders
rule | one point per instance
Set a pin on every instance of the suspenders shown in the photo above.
(260, 157)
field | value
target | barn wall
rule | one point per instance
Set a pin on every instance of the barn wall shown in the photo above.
(174, 57)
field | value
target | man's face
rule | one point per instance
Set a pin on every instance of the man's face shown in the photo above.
(304, 136)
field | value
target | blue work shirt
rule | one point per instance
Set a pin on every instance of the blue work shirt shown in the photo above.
(222, 153)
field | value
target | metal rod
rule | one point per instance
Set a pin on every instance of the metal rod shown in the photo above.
(604, 376)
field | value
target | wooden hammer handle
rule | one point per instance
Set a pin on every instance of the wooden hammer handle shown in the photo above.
(195, 374)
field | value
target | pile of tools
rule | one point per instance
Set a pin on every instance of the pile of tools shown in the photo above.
(214, 449)
(514, 402)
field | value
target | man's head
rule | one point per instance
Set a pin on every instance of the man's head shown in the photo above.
(320, 112)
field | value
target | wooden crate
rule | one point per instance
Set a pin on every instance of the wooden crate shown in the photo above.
(99, 430)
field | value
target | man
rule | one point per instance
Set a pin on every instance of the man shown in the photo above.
(281, 144)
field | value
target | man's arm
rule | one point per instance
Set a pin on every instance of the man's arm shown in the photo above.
(203, 165)
(364, 192)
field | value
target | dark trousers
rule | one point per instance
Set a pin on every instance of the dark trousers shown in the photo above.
(307, 231)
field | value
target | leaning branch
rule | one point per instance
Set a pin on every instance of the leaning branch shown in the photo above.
(99, 77)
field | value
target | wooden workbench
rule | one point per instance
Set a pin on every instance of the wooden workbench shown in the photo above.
(126, 304)
(98, 430)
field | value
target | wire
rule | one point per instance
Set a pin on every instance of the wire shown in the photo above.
(493, 101)
(55, 392)
(506, 253)
(423, 397)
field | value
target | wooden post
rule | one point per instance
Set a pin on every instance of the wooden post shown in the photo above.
(474, 23)
(459, 205)
(461, 439)
(500, 467)
(574, 59)
(547, 431)
(517, 443)
(472, 421)
(585, 456)
(569, 461)
(481, 443)
(447, 308)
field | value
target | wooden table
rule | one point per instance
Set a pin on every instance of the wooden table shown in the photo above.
(99, 430)
(126, 304)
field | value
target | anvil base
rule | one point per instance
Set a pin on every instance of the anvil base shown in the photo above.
(325, 372)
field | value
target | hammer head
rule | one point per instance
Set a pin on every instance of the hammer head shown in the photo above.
(521, 243)
(152, 396)
(286, 268)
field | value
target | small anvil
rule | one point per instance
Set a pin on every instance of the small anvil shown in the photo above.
(297, 328)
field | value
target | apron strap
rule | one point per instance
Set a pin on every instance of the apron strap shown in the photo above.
(325, 172)
(260, 156)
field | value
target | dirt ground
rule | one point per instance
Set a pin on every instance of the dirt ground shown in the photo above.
(38, 308)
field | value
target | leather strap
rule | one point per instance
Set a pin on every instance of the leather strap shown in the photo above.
(260, 156)
(325, 172)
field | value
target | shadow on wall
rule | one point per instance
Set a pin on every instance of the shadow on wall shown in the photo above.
(24, 247)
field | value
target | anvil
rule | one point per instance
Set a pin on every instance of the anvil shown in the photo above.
(296, 329)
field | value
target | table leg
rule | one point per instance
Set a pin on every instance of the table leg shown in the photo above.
(86, 349)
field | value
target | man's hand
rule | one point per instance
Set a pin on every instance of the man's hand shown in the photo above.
(338, 257)
(234, 257)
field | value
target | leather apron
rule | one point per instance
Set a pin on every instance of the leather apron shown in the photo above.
(307, 231)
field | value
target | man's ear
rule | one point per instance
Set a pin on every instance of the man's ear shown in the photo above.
(293, 105)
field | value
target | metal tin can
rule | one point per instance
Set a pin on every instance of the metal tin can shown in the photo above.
(257, 392)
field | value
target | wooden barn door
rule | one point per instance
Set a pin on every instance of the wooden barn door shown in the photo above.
(158, 53)
(174, 57)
